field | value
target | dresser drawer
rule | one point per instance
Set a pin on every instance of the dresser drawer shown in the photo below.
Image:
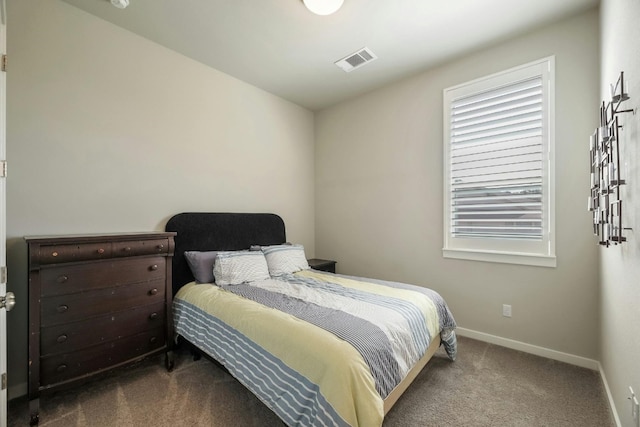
(140, 247)
(62, 367)
(73, 307)
(68, 279)
(54, 254)
(86, 333)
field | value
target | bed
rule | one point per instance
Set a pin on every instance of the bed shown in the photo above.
(317, 348)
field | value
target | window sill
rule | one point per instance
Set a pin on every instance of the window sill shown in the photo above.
(501, 257)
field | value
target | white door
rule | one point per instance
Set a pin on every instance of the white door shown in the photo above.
(6, 300)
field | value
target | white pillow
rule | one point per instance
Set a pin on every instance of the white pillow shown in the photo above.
(235, 267)
(285, 259)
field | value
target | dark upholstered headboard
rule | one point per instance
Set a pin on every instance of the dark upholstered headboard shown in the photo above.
(203, 231)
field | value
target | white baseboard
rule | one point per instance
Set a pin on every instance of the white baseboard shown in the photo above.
(17, 390)
(609, 396)
(530, 348)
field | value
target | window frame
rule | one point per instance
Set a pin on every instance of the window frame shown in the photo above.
(535, 253)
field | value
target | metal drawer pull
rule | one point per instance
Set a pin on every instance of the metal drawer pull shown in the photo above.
(153, 291)
(100, 251)
(153, 340)
(54, 254)
(160, 246)
(153, 316)
(63, 279)
(62, 338)
(61, 368)
(62, 308)
(154, 267)
(127, 249)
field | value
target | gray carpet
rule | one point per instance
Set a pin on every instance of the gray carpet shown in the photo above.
(487, 386)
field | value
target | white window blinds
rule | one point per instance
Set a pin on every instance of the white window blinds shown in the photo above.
(499, 167)
(496, 163)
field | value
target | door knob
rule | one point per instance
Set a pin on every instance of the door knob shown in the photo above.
(8, 301)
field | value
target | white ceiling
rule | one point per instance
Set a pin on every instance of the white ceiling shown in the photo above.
(281, 47)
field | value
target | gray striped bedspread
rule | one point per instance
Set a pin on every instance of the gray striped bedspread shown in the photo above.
(388, 327)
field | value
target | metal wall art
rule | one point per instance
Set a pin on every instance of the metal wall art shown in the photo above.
(604, 201)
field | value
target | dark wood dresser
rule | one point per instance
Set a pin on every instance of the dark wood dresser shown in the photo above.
(96, 302)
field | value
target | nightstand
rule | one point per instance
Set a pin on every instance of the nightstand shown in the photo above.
(322, 264)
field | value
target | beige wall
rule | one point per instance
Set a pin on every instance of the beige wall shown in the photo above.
(108, 132)
(620, 265)
(379, 195)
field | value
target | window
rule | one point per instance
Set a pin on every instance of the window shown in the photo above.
(498, 174)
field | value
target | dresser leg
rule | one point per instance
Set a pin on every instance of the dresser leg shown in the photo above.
(34, 411)
(168, 361)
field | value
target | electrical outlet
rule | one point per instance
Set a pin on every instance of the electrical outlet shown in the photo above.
(506, 310)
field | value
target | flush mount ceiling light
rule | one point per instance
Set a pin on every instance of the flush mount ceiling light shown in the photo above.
(120, 4)
(323, 7)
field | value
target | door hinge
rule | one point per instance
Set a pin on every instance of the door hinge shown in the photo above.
(3, 169)
(3, 274)
(4, 62)
(4, 381)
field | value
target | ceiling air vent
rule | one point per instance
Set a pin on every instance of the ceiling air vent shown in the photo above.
(356, 60)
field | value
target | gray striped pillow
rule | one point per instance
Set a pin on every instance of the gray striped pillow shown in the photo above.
(285, 259)
(235, 267)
